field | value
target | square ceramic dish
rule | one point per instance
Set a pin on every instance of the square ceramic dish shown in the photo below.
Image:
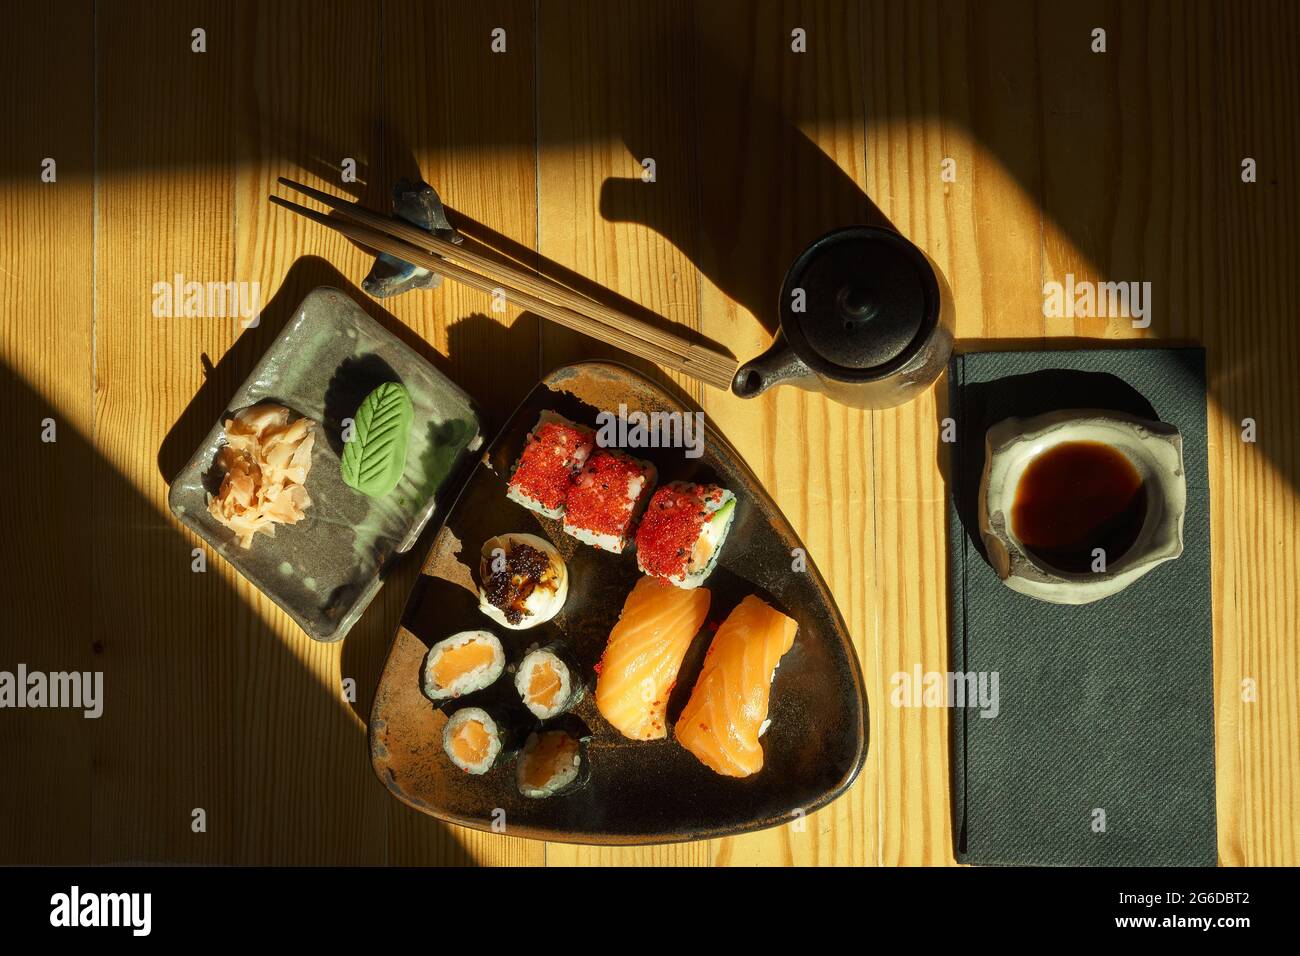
(325, 570)
(638, 791)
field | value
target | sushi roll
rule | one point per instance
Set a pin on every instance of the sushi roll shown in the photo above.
(606, 498)
(554, 453)
(461, 664)
(552, 762)
(683, 531)
(472, 740)
(727, 714)
(546, 684)
(523, 581)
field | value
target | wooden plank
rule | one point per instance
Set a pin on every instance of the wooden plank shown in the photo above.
(946, 91)
(46, 317)
(1138, 186)
(614, 83)
(463, 117)
(1239, 282)
(222, 700)
(307, 122)
(613, 86)
(165, 634)
(779, 136)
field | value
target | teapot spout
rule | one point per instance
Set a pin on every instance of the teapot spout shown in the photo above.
(778, 364)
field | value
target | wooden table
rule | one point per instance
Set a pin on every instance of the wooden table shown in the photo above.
(1125, 164)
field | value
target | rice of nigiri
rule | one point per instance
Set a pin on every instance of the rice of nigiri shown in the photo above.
(727, 712)
(645, 651)
(462, 664)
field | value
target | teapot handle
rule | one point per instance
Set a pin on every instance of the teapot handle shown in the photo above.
(778, 364)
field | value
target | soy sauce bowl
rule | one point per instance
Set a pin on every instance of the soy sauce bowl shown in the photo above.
(1154, 449)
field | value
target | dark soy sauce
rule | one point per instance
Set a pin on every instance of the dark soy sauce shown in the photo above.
(1075, 497)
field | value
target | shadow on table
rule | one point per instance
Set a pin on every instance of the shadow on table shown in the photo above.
(1056, 133)
(744, 250)
(217, 714)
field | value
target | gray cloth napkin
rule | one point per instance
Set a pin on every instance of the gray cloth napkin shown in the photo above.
(1105, 708)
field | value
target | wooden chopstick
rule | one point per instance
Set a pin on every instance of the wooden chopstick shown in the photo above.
(381, 242)
(530, 290)
(718, 364)
(532, 282)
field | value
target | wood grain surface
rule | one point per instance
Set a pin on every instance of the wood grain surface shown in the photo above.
(1123, 165)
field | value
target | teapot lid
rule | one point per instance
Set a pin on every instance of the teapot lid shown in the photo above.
(870, 301)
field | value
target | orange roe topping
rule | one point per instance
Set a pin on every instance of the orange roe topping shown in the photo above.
(545, 470)
(670, 528)
(601, 500)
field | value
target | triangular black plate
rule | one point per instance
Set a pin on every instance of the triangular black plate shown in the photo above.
(638, 792)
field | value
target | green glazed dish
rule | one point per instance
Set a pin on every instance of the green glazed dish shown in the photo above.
(330, 359)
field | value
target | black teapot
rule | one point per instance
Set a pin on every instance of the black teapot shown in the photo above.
(865, 319)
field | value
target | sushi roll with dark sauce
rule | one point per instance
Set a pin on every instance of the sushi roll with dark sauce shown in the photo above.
(523, 581)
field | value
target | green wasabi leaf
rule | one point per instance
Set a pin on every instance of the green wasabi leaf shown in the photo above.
(373, 461)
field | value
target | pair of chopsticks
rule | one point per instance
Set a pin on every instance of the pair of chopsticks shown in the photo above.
(526, 289)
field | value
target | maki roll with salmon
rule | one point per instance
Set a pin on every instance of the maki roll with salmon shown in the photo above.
(461, 664)
(554, 453)
(606, 498)
(473, 740)
(682, 533)
(547, 685)
(552, 762)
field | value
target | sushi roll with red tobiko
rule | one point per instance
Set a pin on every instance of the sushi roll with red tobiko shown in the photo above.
(554, 453)
(606, 499)
(683, 531)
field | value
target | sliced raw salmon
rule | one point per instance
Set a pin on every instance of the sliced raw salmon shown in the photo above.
(645, 650)
(728, 707)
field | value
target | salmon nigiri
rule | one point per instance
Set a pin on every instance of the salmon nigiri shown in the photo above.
(645, 650)
(727, 711)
